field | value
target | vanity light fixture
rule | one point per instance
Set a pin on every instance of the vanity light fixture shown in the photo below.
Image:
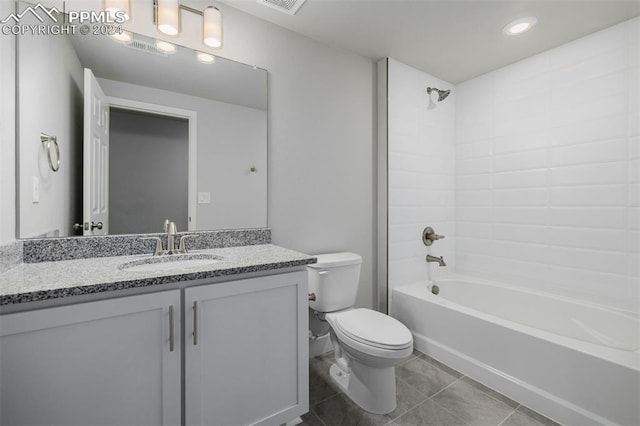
(113, 6)
(166, 17)
(205, 58)
(519, 26)
(165, 46)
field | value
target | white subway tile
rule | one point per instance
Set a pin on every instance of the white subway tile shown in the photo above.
(523, 233)
(473, 182)
(404, 233)
(516, 126)
(523, 215)
(596, 217)
(474, 214)
(474, 230)
(588, 111)
(473, 150)
(473, 131)
(520, 251)
(592, 195)
(634, 195)
(590, 90)
(521, 179)
(473, 198)
(595, 260)
(589, 238)
(605, 128)
(520, 161)
(634, 218)
(590, 69)
(634, 147)
(633, 267)
(521, 197)
(593, 152)
(591, 174)
(634, 170)
(633, 241)
(633, 128)
(521, 141)
(411, 197)
(474, 166)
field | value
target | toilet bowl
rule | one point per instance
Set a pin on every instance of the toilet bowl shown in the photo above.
(367, 344)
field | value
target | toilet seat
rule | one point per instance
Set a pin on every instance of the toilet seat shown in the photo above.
(369, 328)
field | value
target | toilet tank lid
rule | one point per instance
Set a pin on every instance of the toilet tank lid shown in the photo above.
(332, 260)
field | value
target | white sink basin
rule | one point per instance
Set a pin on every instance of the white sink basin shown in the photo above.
(166, 263)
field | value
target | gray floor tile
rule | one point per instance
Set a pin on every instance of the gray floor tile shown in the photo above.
(443, 367)
(428, 414)
(311, 419)
(524, 416)
(423, 376)
(472, 405)
(339, 410)
(497, 395)
(321, 386)
(406, 398)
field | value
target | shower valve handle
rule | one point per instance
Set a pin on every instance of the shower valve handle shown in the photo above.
(429, 236)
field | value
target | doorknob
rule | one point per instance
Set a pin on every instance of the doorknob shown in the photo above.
(96, 225)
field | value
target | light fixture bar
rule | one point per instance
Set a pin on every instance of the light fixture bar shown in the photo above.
(167, 19)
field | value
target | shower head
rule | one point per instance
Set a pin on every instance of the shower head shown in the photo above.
(442, 94)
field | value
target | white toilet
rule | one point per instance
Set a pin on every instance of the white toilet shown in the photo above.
(367, 344)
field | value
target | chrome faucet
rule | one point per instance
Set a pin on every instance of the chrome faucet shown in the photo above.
(172, 231)
(171, 238)
(440, 260)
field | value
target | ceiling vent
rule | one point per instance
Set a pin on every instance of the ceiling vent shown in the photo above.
(145, 46)
(290, 7)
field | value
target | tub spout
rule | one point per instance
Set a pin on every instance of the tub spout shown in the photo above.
(440, 260)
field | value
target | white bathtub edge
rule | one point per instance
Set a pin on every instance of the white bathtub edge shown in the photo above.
(532, 397)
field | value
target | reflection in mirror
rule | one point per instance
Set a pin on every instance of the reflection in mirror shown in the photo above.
(144, 136)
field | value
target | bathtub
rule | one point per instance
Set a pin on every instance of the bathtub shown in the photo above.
(574, 362)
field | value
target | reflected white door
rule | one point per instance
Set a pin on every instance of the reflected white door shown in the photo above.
(95, 204)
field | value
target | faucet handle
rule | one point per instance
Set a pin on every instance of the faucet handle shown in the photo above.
(429, 236)
(159, 249)
(182, 248)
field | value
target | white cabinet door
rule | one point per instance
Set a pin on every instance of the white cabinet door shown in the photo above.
(101, 363)
(246, 351)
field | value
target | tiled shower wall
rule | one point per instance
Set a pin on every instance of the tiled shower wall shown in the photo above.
(421, 176)
(547, 176)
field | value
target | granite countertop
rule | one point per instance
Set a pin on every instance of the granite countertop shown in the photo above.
(29, 282)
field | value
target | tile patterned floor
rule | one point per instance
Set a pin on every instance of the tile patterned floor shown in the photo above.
(428, 392)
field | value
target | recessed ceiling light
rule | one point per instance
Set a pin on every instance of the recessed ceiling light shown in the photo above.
(165, 46)
(519, 26)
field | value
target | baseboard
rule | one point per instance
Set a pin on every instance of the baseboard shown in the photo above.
(532, 397)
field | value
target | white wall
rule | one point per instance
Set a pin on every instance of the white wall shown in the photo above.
(421, 174)
(7, 132)
(230, 139)
(51, 86)
(547, 175)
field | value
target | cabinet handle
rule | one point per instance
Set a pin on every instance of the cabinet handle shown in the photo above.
(195, 323)
(171, 331)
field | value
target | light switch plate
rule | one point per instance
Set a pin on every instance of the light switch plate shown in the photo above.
(204, 198)
(35, 197)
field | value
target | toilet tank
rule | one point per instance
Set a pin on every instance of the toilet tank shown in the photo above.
(334, 280)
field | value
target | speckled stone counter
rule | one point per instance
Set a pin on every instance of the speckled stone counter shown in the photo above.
(28, 282)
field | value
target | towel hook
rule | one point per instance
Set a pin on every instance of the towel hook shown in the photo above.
(51, 142)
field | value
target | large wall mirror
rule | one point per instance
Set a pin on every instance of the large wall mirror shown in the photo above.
(140, 136)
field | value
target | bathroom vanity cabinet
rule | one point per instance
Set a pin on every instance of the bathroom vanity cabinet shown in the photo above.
(237, 349)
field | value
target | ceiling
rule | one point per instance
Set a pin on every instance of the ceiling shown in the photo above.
(451, 39)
